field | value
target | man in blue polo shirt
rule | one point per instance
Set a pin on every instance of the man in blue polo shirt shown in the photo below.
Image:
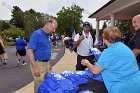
(39, 51)
(21, 50)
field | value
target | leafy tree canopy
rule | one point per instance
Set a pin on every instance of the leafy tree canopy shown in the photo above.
(68, 17)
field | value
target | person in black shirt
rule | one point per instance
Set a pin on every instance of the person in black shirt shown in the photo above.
(134, 42)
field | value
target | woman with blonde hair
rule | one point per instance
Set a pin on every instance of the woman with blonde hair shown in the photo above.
(117, 64)
(2, 52)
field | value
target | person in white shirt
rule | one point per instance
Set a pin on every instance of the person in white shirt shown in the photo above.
(83, 42)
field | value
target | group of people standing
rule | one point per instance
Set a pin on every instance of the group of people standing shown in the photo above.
(118, 63)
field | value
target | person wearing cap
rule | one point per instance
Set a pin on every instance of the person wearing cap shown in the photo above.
(83, 42)
(134, 42)
(39, 51)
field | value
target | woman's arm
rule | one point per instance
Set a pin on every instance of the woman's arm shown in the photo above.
(93, 68)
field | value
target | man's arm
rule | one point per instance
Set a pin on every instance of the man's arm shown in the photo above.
(76, 43)
(136, 52)
(96, 43)
(32, 60)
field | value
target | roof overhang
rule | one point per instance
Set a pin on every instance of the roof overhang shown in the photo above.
(123, 10)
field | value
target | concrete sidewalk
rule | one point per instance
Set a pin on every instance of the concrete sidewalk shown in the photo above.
(66, 63)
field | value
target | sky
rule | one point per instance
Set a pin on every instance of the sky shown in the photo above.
(51, 7)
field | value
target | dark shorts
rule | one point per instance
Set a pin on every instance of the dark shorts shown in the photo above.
(21, 52)
(2, 51)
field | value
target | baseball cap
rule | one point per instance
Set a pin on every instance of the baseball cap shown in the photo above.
(86, 23)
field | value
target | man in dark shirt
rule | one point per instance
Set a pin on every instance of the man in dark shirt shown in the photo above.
(134, 42)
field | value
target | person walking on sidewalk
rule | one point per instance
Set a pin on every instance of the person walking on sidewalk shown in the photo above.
(39, 51)
(21, 49)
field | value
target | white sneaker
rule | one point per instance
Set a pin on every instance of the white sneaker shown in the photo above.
(24, 64)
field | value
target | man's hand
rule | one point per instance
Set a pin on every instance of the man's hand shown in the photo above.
(81, 37)
(36, 72)
(46, 74)
(76, 43)
(136, 52)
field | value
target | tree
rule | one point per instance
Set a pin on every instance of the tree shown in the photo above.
(33, 20)
(13, 32)
(68, 17)
(17, 17)
(27, 21)
(4, 25)
(123, 25)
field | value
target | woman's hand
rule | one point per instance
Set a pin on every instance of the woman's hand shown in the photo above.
(84, 62)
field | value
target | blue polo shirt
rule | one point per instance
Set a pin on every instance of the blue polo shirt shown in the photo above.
(41, 45)
(120, 74)
(20, 44)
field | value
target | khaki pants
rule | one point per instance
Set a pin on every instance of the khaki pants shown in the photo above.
(44, 67)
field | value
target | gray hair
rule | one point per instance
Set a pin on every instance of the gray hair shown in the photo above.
(51, 20)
